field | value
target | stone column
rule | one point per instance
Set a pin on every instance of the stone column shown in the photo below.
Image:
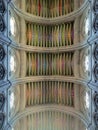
(22, 57)
(76, 64)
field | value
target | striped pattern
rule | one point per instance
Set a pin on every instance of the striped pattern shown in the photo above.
(45, 8)
(47, 120)
(49, 92)
(50, 36)
(50, 64)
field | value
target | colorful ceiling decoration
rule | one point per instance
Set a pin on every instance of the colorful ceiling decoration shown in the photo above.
(48, 65)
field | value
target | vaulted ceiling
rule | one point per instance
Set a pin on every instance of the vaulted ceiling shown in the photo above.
(48, 65)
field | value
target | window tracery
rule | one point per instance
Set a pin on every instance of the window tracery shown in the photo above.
(2, 72)
(2, 25)
(2, 53)
(2, 100)
(2, 7)
(1, 120)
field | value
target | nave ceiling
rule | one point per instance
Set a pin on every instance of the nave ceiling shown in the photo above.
(48, 65)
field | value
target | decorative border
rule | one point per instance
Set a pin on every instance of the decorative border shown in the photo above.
(95, 64)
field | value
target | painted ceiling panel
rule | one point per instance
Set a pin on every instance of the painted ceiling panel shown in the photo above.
(48, 65)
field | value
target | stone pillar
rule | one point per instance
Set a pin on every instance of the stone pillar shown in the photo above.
(77, 124)
(22, 5)
(22, 97)
(22, 57)
(77, 31)
(76, 64)
(22, 42)
(76, 4)
(76, 98)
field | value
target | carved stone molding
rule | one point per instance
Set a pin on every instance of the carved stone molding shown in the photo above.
(96, 5)
(96, 119)
(2, 53)
(2, 6)
(96, 100)
(2, 72)
(2, 25)
(96, 52)
(96, 71)
(2, 100)
(1, 120)
(96, 23)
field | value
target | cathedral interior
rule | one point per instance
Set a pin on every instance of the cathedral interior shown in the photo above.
(48, 65)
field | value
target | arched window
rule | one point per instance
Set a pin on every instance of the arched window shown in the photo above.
(13, 26)
(87, 100)
(87, 22)
(12, 100)
(12, 63)
(86, 63)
